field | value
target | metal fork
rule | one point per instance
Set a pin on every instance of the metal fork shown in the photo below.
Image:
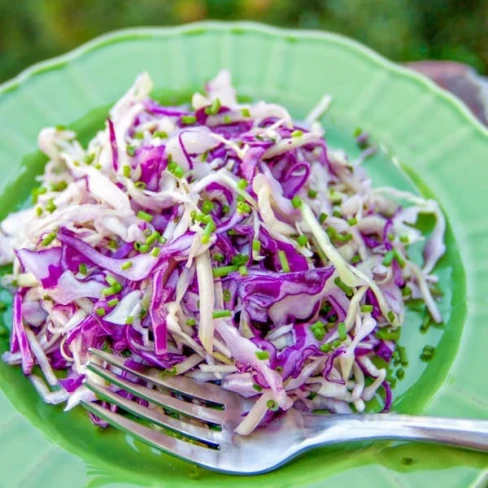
(218, 448)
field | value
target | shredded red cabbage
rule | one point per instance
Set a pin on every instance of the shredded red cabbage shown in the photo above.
(222, 235)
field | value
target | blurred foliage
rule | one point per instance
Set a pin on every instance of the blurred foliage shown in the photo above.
(403, 30)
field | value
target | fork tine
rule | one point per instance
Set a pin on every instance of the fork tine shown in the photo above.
(194, 431)
(152, 396)
(187, 386)
(202, 456)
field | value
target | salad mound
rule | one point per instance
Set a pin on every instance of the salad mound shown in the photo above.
(222, 241)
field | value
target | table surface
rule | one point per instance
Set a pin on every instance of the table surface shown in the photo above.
(459, 79)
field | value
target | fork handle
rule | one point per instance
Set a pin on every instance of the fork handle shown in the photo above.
(465, 433)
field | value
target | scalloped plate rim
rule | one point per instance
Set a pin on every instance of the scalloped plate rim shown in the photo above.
(119, 34)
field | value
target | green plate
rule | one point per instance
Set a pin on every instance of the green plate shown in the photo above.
(439, 149)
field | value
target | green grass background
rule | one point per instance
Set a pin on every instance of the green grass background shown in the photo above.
(403, 30)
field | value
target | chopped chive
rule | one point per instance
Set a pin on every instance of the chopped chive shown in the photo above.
(403, 355)
(188, 119)
(388, 259)
(404, 239)
(243, 270)
(209, 230)
(50, 205)
(325, 308)
(191, 322)
(242, 184)
(356, 259)
(100, 312)
(388, 334)
(406, 291)
(112, 245)
(48, 239)
(140, 185)
(59, 186)
(225, 209)
(144, 216)
(257, 387)
(297, 133)
(390, 316)
(205, 239)
(318, 330)
(207, 206)
(285, 266)
(143, 248)
(435, 290)
(138, 135)
(256, 245)
(214, 108)
(36, 192)
(129, 320)
(113, 283)
(218, 257)
(272, 405)
(243, 208)
(239, 259)
(106, 292)
(326, 347)
(346, 289)
(336, 343)
(262, 355)
(155, 252)
(366, 308)
(226, 295)
(341, 330)
(178, 171)
(302, 240)
(335, 196)
(296, 201)
(38, 211)
(352, 221)
(400, 373)
(312, 193)
(399, 258)
(126, 265)
(425, 324)
(153, 237)
(223, 271)
(89, 158)
(426, 356)
(337, 213)
(322, 218)
(390, 237)
(312, 395)
(227, 119)
(143, 313)
(131, 150)
(82, 269)
(220, 314)
(161, 134)
(114, 302)
(245, 112)
(126, 171)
